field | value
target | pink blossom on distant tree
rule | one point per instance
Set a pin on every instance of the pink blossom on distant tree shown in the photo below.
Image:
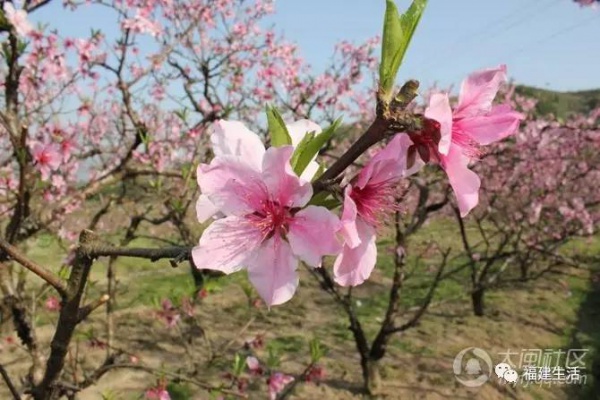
(18, 19)
(52, 303)
(47, 158)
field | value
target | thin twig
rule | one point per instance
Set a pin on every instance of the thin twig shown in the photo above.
(159, 372)
(9, 383)
(87, 309)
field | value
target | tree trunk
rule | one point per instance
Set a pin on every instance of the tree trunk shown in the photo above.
(477, 301)
(524, 271)
(372, 376)
(111, 280)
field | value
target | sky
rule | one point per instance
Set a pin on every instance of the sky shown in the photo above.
(552, 44)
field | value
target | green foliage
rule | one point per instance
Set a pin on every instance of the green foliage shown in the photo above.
(180, 391)
(316, 350)
(397, 34)
(239, 365)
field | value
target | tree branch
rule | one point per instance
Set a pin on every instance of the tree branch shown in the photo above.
(9, 383)
(40, 271)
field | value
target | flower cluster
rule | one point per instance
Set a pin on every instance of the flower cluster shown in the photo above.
(265, 222)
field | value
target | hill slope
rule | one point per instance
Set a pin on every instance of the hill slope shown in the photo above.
(562, 104)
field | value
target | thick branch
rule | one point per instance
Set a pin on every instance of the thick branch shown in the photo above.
(67, 321)
(425, 304)
(99, 250)
(40, 271)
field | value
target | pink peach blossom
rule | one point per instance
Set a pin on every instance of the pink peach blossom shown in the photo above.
(47, 158)
(277, 382)
(52, 303)
(267, 227)
(366, 200)
(18, 19)
(233, 139)
(454, 140)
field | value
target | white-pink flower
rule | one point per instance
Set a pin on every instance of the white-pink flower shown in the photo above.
(141, 23)
(254, 366)
(18, 19)
(454, 140)
(233, 140)
(267, 227)
(367, 199)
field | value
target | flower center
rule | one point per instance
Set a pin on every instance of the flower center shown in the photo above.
(425, 142)
(374, 201)
(272, 219)
(43, 158)
(467, 145)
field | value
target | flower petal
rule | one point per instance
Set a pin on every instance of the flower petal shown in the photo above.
(298, 129)
(232, 138)
(205, 208)
(226, 245)
(501, 122)
(310, 171)
(283, 184)
(312, 234)
(388, 164)
(439, 109)
(464, 182)
(232, 186)
(478, 91)
(353, 266)
(348, 222)
(272, 271)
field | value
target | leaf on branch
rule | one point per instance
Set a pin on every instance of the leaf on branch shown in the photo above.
(310, 145)
(277, 129)
(397, 34)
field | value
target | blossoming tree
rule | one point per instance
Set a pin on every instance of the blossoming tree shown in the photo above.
(268, 201)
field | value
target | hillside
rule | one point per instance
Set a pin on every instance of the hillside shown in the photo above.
(562, 104)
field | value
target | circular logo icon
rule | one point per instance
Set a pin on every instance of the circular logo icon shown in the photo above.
(472, 367)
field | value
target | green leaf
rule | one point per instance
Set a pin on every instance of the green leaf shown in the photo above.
(310, 146)
(239, 364)
(297, 165)
(277, 129)
(324, 199)
(273, 358)
(316, 351)
(392, 36)
(397, 34)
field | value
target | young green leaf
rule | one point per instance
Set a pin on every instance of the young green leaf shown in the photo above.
(392, 36)
(316, 352)
(299, 150)
(277, 129)
(239, 364)
(311, 144)
(397, 34)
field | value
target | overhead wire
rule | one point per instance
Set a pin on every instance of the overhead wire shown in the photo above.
(535, 8)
